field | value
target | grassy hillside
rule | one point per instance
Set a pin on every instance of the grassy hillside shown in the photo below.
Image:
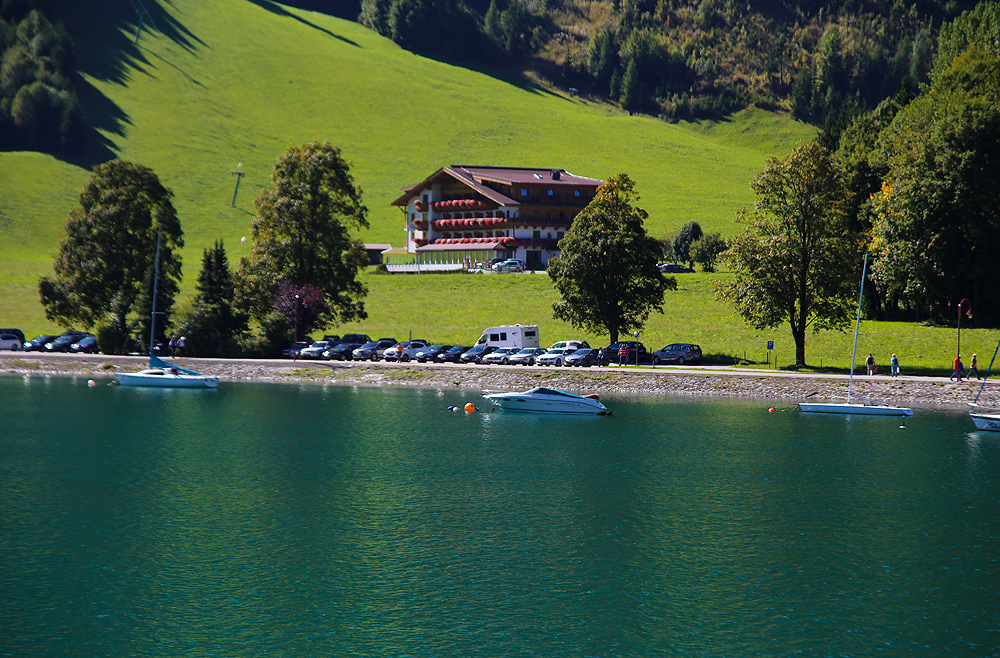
(209, 85)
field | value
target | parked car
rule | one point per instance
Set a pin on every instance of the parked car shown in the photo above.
(10, 342)
(292, 351)
(16, 332)
(500, 356)
(509, 265)
(526, 357)
(585, 356)
(679, 353)
(86, 345)
(569, 343)
(355, 338)
(452, 355)
(430, 352)
(556, 357)
(315, 351)
(407, 353)
(38, 343)
(341, 352)
(64, 340)
(476, 354)
(674, 268)
(373, 349)
(611, 351)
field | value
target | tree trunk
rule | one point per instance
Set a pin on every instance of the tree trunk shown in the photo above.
(799, 336)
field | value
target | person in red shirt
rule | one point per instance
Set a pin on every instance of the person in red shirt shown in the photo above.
(623, 355)
(957, 369)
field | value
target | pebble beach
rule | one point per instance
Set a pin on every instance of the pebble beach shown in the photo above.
(781, 387)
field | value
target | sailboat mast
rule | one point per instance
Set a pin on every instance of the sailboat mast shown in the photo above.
(987, 375)
(156, 286)
(857, 326)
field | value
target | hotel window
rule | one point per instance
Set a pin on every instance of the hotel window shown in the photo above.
(551, 193)
(576, 192)
(536, 234)
(524, 191)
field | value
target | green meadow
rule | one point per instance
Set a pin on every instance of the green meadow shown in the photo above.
(209, 85)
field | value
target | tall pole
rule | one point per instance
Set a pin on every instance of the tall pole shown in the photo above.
(156, 284)
(857, 326)
(958, 348)
(239, 177)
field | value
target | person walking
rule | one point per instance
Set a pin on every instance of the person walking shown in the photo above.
(973, 368)
(870, 362)
(894, 366)
(173, 346)
(181, 342)
(601, 358)
(957, 369)
(623, 355)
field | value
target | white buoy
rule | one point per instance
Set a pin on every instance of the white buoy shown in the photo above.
(91, 382)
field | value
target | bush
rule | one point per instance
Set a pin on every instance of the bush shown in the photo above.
(110, 339)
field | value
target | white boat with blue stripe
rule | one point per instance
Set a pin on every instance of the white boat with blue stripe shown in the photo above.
(548, 401)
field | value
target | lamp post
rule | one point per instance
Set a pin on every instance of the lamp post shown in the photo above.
(295, 337)
(968, 314)
(636, 334)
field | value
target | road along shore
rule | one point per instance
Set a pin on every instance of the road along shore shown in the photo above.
(779, 386)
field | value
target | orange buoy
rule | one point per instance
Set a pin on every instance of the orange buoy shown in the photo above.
(771, 410)
(470, 407)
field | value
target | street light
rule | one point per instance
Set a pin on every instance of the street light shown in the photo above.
(295, 337)
(968, 314)
(636, 334)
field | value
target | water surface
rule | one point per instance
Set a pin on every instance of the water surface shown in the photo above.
(306, 520)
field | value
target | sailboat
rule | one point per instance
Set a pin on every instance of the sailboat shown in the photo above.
(989, 422)
(866, 407)
(162, 373)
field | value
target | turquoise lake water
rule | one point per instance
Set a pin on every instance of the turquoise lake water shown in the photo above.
(307, 520)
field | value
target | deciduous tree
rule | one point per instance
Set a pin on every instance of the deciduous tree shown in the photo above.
(606, 273)
(302, 235)
(938, 213)
(795, 261)
(688, 233)
(706, 250)
(109, 247)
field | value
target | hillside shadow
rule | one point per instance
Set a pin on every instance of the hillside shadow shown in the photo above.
(108, 47)
(277, 9)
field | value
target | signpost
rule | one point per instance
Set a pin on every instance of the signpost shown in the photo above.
(770, 348)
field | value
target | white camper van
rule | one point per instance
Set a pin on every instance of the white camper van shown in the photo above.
(510, 335)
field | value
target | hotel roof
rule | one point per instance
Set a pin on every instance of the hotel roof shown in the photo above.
(475, 177)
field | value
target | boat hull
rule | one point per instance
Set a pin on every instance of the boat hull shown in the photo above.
(988, 422)
(556, 402)
(158, 379)
(853, 409)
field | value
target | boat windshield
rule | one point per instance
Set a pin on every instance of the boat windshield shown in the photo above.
(552, 391)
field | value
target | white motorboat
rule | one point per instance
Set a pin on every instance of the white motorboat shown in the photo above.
(867, 407)
(548, 400)
(161, 373)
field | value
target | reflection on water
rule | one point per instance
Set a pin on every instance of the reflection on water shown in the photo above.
(285, 520)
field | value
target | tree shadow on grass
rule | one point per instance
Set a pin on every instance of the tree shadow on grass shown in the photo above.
(275, 8)
(108, 48)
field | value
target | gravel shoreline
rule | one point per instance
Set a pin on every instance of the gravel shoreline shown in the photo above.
(663, 380)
